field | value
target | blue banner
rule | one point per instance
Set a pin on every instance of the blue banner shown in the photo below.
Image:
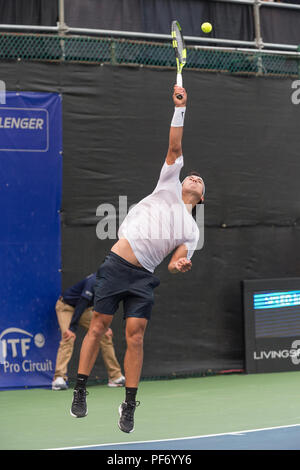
(30, 246)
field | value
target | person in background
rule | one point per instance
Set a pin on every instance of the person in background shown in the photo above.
(74, 308)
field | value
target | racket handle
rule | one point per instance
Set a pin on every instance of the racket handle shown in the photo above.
(179, 83)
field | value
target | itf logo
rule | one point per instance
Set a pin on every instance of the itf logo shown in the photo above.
(15, 345)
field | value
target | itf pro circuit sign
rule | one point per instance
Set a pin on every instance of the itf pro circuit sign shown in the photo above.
(21, 353)
(272, 325)
(30, 199)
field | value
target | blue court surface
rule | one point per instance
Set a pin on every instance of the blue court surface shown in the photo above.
(277, 438)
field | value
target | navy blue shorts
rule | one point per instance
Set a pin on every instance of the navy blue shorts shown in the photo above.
(117, 280)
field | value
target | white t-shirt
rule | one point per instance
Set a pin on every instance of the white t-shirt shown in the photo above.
(160, 222)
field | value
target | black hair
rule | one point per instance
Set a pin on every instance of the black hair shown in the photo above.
(195, 173)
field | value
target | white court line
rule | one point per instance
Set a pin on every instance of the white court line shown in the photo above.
(233, 433)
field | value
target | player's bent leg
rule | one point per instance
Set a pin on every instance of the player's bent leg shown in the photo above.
(133, 362)
(88, 354)
(91, 343)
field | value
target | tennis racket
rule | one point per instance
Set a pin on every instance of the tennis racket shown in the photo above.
(180, 52)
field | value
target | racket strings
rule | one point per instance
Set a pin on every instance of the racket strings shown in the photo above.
(178, 43)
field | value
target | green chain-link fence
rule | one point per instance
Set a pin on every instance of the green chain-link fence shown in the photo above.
(160, 54)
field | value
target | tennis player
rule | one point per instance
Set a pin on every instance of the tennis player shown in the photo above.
(146, 236)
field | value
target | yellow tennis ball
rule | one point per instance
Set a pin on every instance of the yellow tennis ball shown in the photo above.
(206, 27)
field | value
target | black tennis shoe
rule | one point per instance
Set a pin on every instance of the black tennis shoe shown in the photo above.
(126, 412)
(79, 406)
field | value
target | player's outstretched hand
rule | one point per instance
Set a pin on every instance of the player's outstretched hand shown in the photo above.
(178, 90)
(183, 265)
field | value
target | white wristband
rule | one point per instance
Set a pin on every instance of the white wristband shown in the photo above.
(178, 116)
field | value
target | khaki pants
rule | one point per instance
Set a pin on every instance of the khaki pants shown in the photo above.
(64, 314)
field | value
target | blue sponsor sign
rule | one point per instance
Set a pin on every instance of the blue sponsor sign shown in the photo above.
(24, 129)
(30, 259)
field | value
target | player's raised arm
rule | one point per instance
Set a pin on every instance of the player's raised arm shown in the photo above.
(176, 129)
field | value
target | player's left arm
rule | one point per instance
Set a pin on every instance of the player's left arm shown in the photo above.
(176, 129)
(179, 262)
